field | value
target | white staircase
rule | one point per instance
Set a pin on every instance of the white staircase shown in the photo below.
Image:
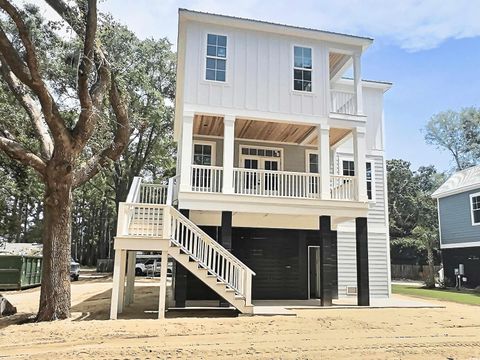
(187, 243)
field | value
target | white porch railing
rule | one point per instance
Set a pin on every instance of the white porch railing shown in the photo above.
(343, 102)
(207, 178)
(211, 254)
(343, 187)
(142, 220)
(153, 193)
(276, 183)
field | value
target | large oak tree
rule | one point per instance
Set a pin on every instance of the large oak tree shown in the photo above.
(63, 156)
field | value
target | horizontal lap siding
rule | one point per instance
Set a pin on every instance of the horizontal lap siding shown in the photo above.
(377, 262)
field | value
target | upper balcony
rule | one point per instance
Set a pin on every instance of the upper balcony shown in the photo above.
(226, 160)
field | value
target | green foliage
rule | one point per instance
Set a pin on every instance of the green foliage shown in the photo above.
(413, 213)
(146, 71)
(437, 294)
(458, 133)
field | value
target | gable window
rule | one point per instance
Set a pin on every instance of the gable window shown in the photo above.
(216, 65)
(475, 207)
(302, 68)
(348, 168)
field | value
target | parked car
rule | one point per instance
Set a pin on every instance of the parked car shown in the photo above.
(150, 267)
(74, 270)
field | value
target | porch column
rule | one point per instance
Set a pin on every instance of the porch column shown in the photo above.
(359, 150)
(228, 153)
(357, 82)
(327, 261)
(180, 279)
(118, 288)
(323, 132)
(163, 285)
(186, 160)
(129, 291)
(226, 240)
(363, 283)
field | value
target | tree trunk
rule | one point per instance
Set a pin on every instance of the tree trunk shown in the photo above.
(430, 280)
(55, 291)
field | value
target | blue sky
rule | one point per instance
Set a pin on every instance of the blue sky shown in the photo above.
(429, 49)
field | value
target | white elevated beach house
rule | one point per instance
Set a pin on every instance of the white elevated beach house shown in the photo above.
(280, 192)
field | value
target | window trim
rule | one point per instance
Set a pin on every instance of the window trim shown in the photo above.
(307, 160)
(241, 156)
(292, 71)
(213, 144)
(471, 208)
(204, 59)
(341, 159)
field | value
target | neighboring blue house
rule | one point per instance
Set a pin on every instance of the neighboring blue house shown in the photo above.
(458, 202)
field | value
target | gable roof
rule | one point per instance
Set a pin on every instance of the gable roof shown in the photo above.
(461, 181)
(267, 26)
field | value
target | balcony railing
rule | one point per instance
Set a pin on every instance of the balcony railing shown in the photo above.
(343, 187)
(276, 183)
(343, 102)
(207, 178)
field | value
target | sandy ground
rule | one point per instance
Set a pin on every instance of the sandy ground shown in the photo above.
(452, 332)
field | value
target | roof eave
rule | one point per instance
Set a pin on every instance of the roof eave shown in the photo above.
(363, 42)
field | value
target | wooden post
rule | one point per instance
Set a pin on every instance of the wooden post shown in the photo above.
(163, 285)
(131, 262)
(359, 146)
(323, 132)
(357, 83)
(116, 305)
(186, 159)
(327, 261)
(363, 282)
(228, 153)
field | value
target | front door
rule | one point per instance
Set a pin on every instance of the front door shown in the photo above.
(314, 272)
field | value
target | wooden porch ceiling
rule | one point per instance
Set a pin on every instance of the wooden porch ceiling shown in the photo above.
(337, 61)
(265, 130)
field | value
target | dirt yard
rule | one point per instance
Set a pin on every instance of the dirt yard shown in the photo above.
(452, 332)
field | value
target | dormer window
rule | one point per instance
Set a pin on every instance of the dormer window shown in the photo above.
(216, 57)
(302, 68)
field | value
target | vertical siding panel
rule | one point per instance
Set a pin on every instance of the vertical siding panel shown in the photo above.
(251, 74)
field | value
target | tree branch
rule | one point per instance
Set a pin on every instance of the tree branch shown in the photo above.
(30, 76)
(16, 151)
(31, 107)
(115, 149)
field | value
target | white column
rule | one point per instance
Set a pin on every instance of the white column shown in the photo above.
(228, 153)
(116, 305)
(163, 285)
(186, 160)
(359, 149)
(357, 82)
(131, 262)
(324, 160)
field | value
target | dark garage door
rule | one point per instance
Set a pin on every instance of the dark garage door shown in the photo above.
(274, 256)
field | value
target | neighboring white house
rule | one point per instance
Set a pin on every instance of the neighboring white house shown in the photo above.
(281, 182)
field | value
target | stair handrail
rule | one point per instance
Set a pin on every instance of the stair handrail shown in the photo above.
(134, 192)
(175, 213)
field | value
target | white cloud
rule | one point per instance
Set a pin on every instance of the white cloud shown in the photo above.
(411, 24)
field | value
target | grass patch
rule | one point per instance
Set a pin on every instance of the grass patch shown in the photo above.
(438, 294)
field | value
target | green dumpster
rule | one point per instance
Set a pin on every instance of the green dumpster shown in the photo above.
(20, 272)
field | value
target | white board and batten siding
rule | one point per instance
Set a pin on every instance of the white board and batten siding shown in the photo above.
(259, 73)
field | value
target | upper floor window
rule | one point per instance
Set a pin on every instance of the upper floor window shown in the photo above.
(348, 168)
(216, 57)
(302, 68)
(475, 204)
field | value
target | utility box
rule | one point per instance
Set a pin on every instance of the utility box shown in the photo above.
(20, 272)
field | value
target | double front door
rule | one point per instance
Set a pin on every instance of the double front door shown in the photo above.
(261, 180)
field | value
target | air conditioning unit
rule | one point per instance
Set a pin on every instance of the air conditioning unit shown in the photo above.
(351, 290)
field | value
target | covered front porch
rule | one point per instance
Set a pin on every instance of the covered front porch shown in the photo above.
(236, 156)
